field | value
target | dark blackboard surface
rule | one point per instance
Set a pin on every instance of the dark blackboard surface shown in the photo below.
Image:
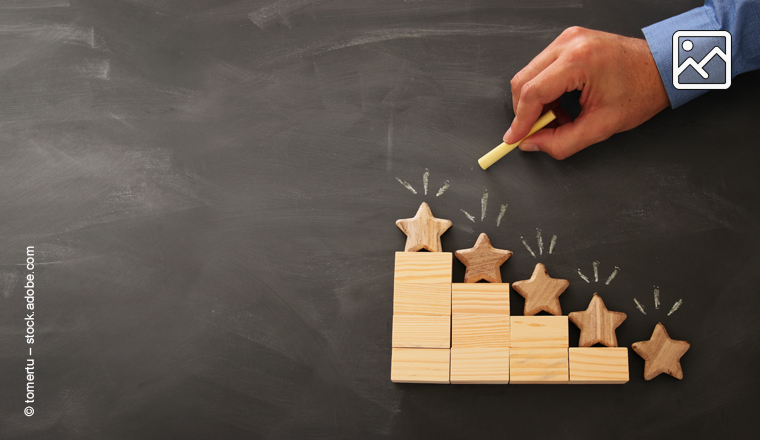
(211, 189)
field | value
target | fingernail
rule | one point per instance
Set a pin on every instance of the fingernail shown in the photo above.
(529, 147)
(506, 135)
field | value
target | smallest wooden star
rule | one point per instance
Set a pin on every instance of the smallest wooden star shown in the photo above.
(483, 261)
(423, 231)
(597, 324)
(541, 292)
(661, 354)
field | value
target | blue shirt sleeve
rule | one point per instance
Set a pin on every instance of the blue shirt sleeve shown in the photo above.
(739, 17)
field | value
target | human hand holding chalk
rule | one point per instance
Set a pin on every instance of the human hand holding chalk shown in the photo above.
(500, 151)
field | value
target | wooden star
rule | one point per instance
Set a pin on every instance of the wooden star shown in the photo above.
(597, 324)
(482, 261)
(541, 292)
(423, 231)
(661, 354)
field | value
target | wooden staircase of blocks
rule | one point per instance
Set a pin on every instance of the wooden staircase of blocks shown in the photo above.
(462, 333)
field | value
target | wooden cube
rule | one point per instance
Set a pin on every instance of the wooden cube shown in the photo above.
(423, 267)
(480, 298)
(421, 331)
(538, 366)
(420, 365)
(598, 365)
(479, 365)
(479, 330)
(422, 299)
(539, 332)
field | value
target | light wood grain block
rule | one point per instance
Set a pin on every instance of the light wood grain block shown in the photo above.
(421, 331)
(420, 365)
(479, 330)
(423, 267)
(422, 299)
(598, 365)
(479, 365)
(538, 366)
(480, 298)
(539, 332)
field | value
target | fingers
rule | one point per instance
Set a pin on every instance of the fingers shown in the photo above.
(545, 88)
(569, 138)
(536, 66)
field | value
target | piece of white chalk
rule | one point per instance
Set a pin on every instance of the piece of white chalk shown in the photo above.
(500, 151)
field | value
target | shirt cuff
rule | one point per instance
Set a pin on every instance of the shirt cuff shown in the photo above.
(659, 37)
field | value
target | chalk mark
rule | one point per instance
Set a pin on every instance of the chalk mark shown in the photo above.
(540, 242)
(639, 306)
(525, 243)
(553, 242)
(501, 215)
(656, 297)
(425, 178)
(407, 185)
(596, 271)
(469, 216)
(584, 277)
(612, 276)
(443, 189)
(483, 205)
(675, 307)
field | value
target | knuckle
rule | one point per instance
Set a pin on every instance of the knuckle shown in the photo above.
(573, 32)
(529, 91)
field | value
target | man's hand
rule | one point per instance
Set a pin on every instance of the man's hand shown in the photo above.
(620, 85)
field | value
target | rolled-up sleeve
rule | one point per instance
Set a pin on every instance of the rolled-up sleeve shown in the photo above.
(740, 17)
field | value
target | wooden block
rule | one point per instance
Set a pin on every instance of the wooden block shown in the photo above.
(422, 299)
(423, 231)
(418, 331)
(420, 365)
(479, 330)
(483, 261)
(538, 366)
(480, 365)
(539, 332)
(423, 267)
(598, 365)
(480, 298)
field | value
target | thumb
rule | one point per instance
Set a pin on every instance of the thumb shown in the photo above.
(569, 138)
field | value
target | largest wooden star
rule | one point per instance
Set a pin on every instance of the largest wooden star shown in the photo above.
(541, 292)
(661, 354)
(483, 261)
(597, 324)
(423, 231)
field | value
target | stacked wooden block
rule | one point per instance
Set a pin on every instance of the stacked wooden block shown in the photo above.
(480, 336)
(422, 317)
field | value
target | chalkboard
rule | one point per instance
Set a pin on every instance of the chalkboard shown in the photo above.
(206, 191)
